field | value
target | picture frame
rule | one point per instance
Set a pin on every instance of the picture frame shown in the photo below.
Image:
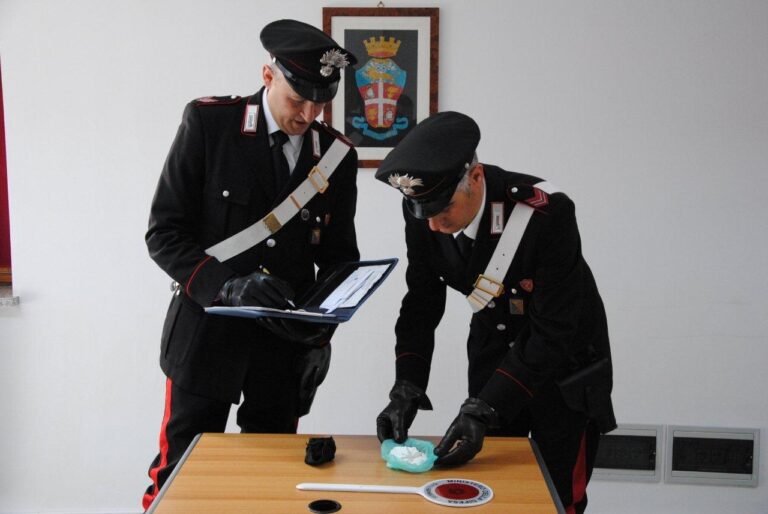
(394, 84)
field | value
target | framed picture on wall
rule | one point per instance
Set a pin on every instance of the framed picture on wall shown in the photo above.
(393, 86)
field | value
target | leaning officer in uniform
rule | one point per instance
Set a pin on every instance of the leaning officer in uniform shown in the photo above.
(236, 167)
(539, 358)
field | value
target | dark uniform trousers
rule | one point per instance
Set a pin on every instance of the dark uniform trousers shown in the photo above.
(539, 354)
(218, 180)
(269, 406)
(568, 441)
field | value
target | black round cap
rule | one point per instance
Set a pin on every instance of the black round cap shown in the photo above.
(310, 59)
(427, 165)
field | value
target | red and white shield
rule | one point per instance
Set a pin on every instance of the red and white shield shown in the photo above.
(380, 100)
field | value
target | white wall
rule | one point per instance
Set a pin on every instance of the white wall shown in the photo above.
(653, 115)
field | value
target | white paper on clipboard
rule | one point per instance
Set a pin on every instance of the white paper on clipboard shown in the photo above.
(354, 288)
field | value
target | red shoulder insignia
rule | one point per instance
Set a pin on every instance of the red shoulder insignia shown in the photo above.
(217, 100)
(530, 195)
(539, 199)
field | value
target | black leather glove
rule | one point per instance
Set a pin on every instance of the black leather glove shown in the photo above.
(312, 368)
(396, 418)
(310, 334)
(467, 432)
(257, 289)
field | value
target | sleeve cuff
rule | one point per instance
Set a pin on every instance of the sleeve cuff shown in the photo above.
(206, 280)
(505, 394)
(413, 368)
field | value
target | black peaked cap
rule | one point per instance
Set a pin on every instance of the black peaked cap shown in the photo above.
(310, 59)
(427, 165)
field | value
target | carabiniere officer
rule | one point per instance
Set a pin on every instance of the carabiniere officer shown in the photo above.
(253, 195)
(539, 357)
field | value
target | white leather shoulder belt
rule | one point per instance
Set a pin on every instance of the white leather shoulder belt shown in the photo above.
(490, 284)
(316, 182)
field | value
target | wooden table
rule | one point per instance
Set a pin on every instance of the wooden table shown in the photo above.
(258, 473)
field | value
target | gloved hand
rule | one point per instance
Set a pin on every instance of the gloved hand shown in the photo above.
(257, 289)
(310, 334)
(312, 368)
(467, 432)
(396, 418)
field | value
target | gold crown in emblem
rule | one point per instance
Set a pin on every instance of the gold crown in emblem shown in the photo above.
(381, 47)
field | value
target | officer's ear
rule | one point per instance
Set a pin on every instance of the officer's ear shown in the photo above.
(268, 75)
(477, 174)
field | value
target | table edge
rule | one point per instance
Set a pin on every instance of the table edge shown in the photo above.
(175, 472)
(547, 477)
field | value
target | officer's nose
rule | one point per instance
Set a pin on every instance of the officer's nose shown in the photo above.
(317, 109)
(310, 111)
(306, 111)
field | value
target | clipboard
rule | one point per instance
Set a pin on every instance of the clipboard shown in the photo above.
(335, 299)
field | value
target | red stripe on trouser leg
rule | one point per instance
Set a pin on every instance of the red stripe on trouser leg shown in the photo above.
(148, 498)
(579, 476)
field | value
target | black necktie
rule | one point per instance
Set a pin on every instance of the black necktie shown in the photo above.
(464, 242)
(279, 162)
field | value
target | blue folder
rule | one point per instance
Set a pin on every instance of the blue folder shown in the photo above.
(308, 307)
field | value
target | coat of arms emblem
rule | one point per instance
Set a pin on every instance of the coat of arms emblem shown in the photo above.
(380, 83)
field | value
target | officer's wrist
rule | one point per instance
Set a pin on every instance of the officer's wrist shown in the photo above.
(407, 390)
(481, 410)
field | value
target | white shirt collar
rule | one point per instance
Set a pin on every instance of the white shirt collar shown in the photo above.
(272, 126)
(472, 228)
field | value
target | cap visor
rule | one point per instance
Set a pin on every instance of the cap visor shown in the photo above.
(314, 93)
(426, 209)
(307, 89)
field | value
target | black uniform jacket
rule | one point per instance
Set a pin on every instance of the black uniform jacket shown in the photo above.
(549, 324)
(218, 179)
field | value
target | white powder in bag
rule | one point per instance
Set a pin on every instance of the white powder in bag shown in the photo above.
(408, 454)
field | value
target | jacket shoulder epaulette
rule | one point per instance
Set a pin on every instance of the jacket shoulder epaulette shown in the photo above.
(217, 100)
(528, 194)
(335, 133)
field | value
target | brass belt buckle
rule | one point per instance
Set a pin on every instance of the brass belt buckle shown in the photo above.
(488, 285)
(318, 180)
(271, 222)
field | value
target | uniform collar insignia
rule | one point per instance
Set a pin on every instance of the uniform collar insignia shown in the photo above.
(332, 59)
(405, 183)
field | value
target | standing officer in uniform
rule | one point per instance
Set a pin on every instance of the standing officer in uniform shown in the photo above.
(218, 226)
(539, 358)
